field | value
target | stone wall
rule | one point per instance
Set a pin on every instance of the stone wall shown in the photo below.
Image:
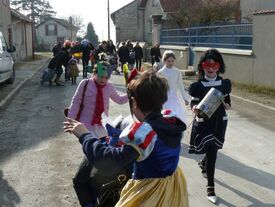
(127, 23)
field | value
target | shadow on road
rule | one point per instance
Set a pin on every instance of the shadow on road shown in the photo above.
(254, 201)
(236, 168)
(34, 116)
(8, 196)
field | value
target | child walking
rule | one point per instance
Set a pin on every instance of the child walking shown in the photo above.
(73, 69)
(207, 135)
(153, 144)
(177, 96)
(97, 93)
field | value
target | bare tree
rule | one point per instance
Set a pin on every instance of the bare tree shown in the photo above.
(205, 12)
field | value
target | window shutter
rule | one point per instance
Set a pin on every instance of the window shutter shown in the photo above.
(55, 29)
(46, 30)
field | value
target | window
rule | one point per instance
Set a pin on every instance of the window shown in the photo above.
(150, 26)
(155, 2)
(51, 29)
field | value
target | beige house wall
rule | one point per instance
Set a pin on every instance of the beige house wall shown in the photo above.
(5, 19)
(22, 39)
(249, 6)
(149, 11)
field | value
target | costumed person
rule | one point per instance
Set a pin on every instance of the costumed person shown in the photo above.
(73, 69)
(89, 102)
(152, 143)
(86, 48)
(177, 96)
(56, 63)
(57, 48)
(207, 135)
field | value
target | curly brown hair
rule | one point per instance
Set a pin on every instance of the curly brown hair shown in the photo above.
(149, 90)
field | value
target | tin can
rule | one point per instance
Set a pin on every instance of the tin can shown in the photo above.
(209, 103)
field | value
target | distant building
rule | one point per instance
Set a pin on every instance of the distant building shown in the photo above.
(135, 20)
(52, 30)
(22, 35)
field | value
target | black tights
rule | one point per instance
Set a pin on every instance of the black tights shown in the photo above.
(209, 162)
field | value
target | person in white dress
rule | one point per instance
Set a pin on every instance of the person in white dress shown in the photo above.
(177, 96)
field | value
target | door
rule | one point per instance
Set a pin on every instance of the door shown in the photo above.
(6, 61)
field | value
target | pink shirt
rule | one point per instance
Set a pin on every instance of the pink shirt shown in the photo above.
(90, 100)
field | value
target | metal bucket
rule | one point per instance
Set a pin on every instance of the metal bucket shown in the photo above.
(209, 103)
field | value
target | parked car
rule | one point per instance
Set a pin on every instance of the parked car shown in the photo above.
(7, 73)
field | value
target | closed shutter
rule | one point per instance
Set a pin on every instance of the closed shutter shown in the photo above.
(46, 30)
(55, 29)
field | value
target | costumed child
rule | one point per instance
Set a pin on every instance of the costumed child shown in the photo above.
(207, 135)
(177, 96)
(73, 69)
(153, 144)
(96, 93)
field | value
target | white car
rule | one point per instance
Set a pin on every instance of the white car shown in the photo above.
(7, 72)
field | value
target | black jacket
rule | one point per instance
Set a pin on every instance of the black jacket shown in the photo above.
(138, 52)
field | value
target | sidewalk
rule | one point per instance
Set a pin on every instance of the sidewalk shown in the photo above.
(24, 70)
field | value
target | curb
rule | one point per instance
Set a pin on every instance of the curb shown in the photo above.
(14, 91)
(253, 102)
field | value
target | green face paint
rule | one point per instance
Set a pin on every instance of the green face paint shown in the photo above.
(101, 71)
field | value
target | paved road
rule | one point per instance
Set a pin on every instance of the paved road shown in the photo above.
(37, 160)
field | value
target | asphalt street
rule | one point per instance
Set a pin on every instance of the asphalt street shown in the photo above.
(38, 160)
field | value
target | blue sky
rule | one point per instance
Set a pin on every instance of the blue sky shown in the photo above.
(90, 10)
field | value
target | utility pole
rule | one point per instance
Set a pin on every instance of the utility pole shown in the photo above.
(71, 22)
(108, 11)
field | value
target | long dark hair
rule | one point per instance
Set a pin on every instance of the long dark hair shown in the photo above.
(208, 55)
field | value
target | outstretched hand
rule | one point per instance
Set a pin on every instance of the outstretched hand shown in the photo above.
(75, 127)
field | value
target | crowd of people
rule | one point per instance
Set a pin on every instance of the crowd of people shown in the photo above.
(144, 151)
(68, 54)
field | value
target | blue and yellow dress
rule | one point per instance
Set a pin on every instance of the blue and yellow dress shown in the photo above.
(154, 147)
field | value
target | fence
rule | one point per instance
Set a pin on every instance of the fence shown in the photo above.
(235, 36)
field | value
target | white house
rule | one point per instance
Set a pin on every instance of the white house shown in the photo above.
(53, 30)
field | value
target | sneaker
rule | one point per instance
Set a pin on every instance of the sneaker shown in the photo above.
(211, 196)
